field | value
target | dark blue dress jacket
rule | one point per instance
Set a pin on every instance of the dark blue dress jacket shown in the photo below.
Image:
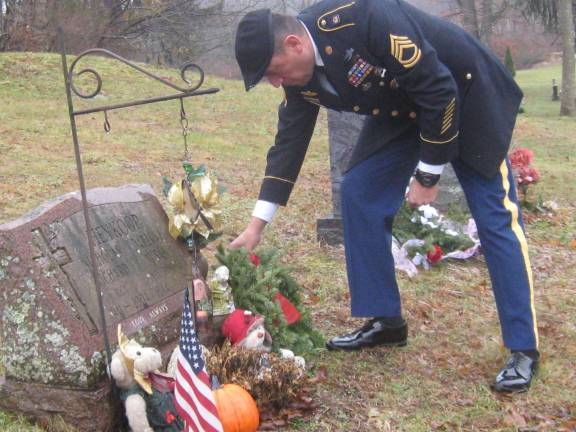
(411, 74)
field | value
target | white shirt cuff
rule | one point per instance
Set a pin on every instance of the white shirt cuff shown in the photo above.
(431, 169)
(265, 210)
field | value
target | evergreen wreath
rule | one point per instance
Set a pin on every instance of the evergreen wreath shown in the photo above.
(412, 224)
(255, 280)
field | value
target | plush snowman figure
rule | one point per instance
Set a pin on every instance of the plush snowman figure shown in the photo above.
(244, 329)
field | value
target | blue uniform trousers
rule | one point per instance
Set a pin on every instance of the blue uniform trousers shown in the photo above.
(372, 193)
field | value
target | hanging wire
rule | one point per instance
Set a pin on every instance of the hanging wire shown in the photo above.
(107, 126)
(185, 130)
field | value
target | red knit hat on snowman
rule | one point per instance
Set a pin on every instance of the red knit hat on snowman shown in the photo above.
(247, 330)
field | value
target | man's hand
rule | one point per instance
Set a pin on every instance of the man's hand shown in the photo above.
(251, 236)
(419, 195)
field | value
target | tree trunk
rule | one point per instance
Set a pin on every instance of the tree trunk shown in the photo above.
(2, 30)
(567, 102)
(470, 17)
(487, 19)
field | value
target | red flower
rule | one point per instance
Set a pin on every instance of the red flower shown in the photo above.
(255, 259)
(170, 417)
(521, 157)
(528, 175)
(435, 256)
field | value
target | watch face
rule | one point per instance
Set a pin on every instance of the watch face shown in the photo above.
(427, 179)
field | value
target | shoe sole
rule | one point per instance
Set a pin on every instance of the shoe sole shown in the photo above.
(331, 347)
(509, 390)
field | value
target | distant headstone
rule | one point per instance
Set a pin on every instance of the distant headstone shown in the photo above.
(343, 131)
(52, 347)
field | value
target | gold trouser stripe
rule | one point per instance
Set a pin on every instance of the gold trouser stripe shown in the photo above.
(517, 229)
(278, 178)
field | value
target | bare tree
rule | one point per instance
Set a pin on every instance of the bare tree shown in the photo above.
(469, 17)
(566, 19)
(170, 28)
(479, 17)
(558, 16)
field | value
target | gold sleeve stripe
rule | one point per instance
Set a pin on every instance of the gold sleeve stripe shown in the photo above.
(279, 179)
(448, 116)
(323, 17)
(439, 142)
(447, 121)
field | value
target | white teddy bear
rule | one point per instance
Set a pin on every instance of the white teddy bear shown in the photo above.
(148, 409)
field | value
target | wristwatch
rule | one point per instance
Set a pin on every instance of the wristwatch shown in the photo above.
(426, 179)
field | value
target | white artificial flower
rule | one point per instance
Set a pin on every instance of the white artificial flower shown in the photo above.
(428, 211)
(418, 259)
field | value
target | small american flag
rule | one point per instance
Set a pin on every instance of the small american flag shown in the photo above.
(193, 394)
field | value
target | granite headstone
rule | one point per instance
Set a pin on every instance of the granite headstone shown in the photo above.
(343, 131)
(52, 345)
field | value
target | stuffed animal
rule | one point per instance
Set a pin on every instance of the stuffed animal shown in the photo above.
(148, 407)
(244, 329)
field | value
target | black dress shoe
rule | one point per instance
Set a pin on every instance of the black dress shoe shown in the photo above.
(375, 332)
(516, 375)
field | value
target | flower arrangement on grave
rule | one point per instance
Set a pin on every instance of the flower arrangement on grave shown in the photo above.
(524, 174)
(262, 285)
(193, 212)
(425, 237)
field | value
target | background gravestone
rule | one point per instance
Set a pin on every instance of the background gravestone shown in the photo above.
(52, 345)
(343, 131)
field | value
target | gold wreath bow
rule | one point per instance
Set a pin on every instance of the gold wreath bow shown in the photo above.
(185, 219)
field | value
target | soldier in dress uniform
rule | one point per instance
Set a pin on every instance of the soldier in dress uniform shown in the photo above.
(432, 95)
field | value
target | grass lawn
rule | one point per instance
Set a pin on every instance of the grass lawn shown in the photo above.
(440, 380)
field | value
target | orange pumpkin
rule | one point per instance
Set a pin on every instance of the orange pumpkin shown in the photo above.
(236, 408)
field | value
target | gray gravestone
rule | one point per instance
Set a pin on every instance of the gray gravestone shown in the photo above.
(343, 131)
(52, 345)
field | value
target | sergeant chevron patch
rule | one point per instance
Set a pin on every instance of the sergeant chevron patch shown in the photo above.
(405, 51)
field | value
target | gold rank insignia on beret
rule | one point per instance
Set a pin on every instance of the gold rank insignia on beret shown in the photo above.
(405, 51)
(336, 19)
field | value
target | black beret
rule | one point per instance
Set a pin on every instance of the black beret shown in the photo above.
(254, 45)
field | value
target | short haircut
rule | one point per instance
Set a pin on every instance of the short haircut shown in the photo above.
(284, 25)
